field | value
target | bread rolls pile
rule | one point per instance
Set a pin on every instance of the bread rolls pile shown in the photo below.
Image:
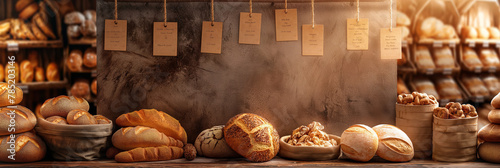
(148, 135)
(484, 33)
(403, 22)
(81, 24)
(211, 143)
(454, 110)
(69, 110)
(489, 135)
(433, 28)
(77, 61)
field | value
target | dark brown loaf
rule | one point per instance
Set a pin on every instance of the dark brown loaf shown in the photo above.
(41, 21)
(101, 119)
(90, 58)
(81, 88)
(24, 120)
(74, 61)
(29, 11)
(4, 95)
(252, 136)
(80, 117)
(57, 120)
(93, 86)
(129, 138)
(150, 154)
(62, 105)
(490, 152)
(28, 148)
(490, 133)
(37, 32)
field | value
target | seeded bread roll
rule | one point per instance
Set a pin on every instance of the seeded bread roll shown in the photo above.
(4, 95)
(101, 119)
(80, 117)
(129, 138)
(90, 15)
(359, 142)
(393, 144)
(57, 120)
(28, 148)
(150, 154)
(62, 105)
(24, 120)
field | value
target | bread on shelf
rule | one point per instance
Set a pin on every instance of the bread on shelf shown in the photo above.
(424, 85)
(470, 58)
(401, 87)
(475, 86)
(489, 57)
(443, 57)
(75, 61)
(492, 83)
(52, 72)
(469, 32)
(447, 88)
(423, 58)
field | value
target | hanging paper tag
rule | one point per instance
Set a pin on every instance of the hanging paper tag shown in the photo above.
(390, 43)
(115, 35)
(312, 39)
(165, 39)
(250, 28)
(211, 37)
(357, 34)
(286, 25)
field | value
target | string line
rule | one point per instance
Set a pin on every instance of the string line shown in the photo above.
(212, 10)
(116, 11)
(312, 11)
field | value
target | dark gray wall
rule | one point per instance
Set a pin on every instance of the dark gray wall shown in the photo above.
(272, 79)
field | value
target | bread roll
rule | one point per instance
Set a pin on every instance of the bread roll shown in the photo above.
(424, 85)
(52, 72)
(81, 88)
(101, 119)
(483, 33)
(37, 32)
(29, 11)
(430, 27)
(402, 19)
(393, 144)
(62, 105)
(489, 57)
(359, 142)
(90, 15)
(443, 58)
(423, 57)
(28, 148)
(21, 4)
(42, 22)
(93, 86)
(4, 95)
(129, 138)
(475, 86)
(27, 73)
(80, 117)
(401, 87)
(88, 28)
(448, 89)
(494, 33)
(152, 118)
(490, 152)
(57, 120)
(211, 143)
(470, 58)
(495, 102)
(73, 31)
(39, 74)
(448, 32)
(90, 58)
(252, 136)
(494, 116)
(490, 133)
(492, 83)
(75, 61)
(150, 154)
(2, 73)
(16, 73)
(469, 32)
(74, 18)
(21, 118)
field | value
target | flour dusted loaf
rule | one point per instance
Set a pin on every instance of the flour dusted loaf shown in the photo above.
(150, 154)
(393, 144)
(4, 95)
(62, 105)
(154, 119)
(252, 136)
(359, 142)
(28, 148)
(129, 138)
(24, 119)
(211, 143)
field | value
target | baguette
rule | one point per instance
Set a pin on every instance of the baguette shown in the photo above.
(129, 138)
(150, 154)
(154, 119)
(62, 105)
(24, 119)
(4, 95)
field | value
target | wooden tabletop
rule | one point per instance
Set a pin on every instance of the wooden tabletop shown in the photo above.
(240, 162)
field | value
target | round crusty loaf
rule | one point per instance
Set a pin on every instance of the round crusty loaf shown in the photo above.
(81, 88)
(490, 152)
(74, 61)
(495, 102)
(80, 117)
(429, 27)
(252, 136)
(74, 18)
(211, 143)
(393, 144)
(101, 119)
(22, 117)
(28, 148)
(359, 142)
(62, 105)
(129, 138)
(57, 120)
(52, 72)
(93, 86)
(4, 95)
(469, 32)
(494, 116)
(90, 58)
(490, 133)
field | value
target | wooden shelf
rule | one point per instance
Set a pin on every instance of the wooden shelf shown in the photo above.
(82, 41)
(43, 85)
(439, 43)
(33, 44)
(482, 42)
(93, 72)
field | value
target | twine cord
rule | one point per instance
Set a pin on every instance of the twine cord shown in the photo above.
(212, 12)
(116, 11)
(390, 6)
(357, 7)
(250, 9)
(165, 13)
(286, 7)
(312, 11)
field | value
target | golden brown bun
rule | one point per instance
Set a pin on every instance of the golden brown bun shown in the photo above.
(37, 32)
(490, 133)
(62, 105)
(75, 61)
(52, 72)
(252, 136)
(423, 57)
(494, 33)
(21, 4)
(211, 143)
(24, 119)
(402, 19)
(81, 88)
(90, 58)
(470, 58)
(129, 138)
(112, 152)
(4, 95)
(150, 154)
(490, 152)
(359, 142)
(495, 102)
(28, 148)
(41, 21)
(39, 74)
(483, 33)
(89, 28)
(74, 18)
(27, 73)
(57, 120)
(29, 11)
(8, 66)
(101, 119)
(80, 117)
(494, 116)
(154, 119)
(443, 58)
(93, 86)
(2, 73)
(448, 89)
(469, 32)
(73, 31)
(393, 144)
(90, 15)
(430, 27)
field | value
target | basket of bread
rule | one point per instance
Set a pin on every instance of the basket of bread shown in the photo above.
(70, 131)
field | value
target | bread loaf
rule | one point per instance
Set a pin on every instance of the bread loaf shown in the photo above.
(101, 119)
(152, 118)
(4, 95)
(469, 32)
(88, 28)
(494, 33)
(75, 61)
(423, 58)
(129, 138)
(483, 33)
(81, 89)
(490, 133)
(25, 28)
(42, 22)
(16, 73)
(443, 58)
(57, 120)
(62, 105)
(424, 85)
(211, 143)
(470, 58)
(393, 144)
(495, 102)
(90, 58)
(150, 154)
(2, 73)
(80, 117)
(359, 142)
(29, 11)
(52, 72)
(37, 32)
(39, 74)
(93, 86)
(489, 57)
(21, 4)
(429, 27)
(112, 152)
(16, 120)
(33, 58)
(402, 19)
(448, 32)
(494, 116)
(490, 152)
(27, 73)
(73, 31)
(447, 88)
(492, 83)
(475, 86)
(252, 136)
(28, 148)
(74, 18)
(15, 29)
(90, 15)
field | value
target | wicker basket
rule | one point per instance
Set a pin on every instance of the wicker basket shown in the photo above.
(416, 122)
(454, 140)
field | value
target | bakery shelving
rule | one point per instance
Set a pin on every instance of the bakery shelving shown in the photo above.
(43, 85)
(82, 41)
(23, 44)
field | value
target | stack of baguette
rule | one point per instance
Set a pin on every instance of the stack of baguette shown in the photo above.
(148, 135)
(489, 135)
(18, 143)
(70, 110)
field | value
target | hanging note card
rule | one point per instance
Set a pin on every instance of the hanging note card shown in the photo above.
(211, 37)
(115, 35)
(312, 40)
(357, 34)
(286, 25)
(390, 43)
(165, 39)
(250, 28)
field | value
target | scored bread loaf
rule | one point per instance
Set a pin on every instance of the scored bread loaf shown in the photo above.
(26, 29)
(33, 58)
(52, 72)
(27, 74)
(90, 58)
(23, 118)
(490, 133)
(4, 95)
(101, 119)
(150, 154)
(393, 144)
(359, 142)
(28, 148)
(423, 57)
(57, 120)
(129, 138)
(62, 105)
(154, 119)
(80, 117)
(252, 136)
(443, 57)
